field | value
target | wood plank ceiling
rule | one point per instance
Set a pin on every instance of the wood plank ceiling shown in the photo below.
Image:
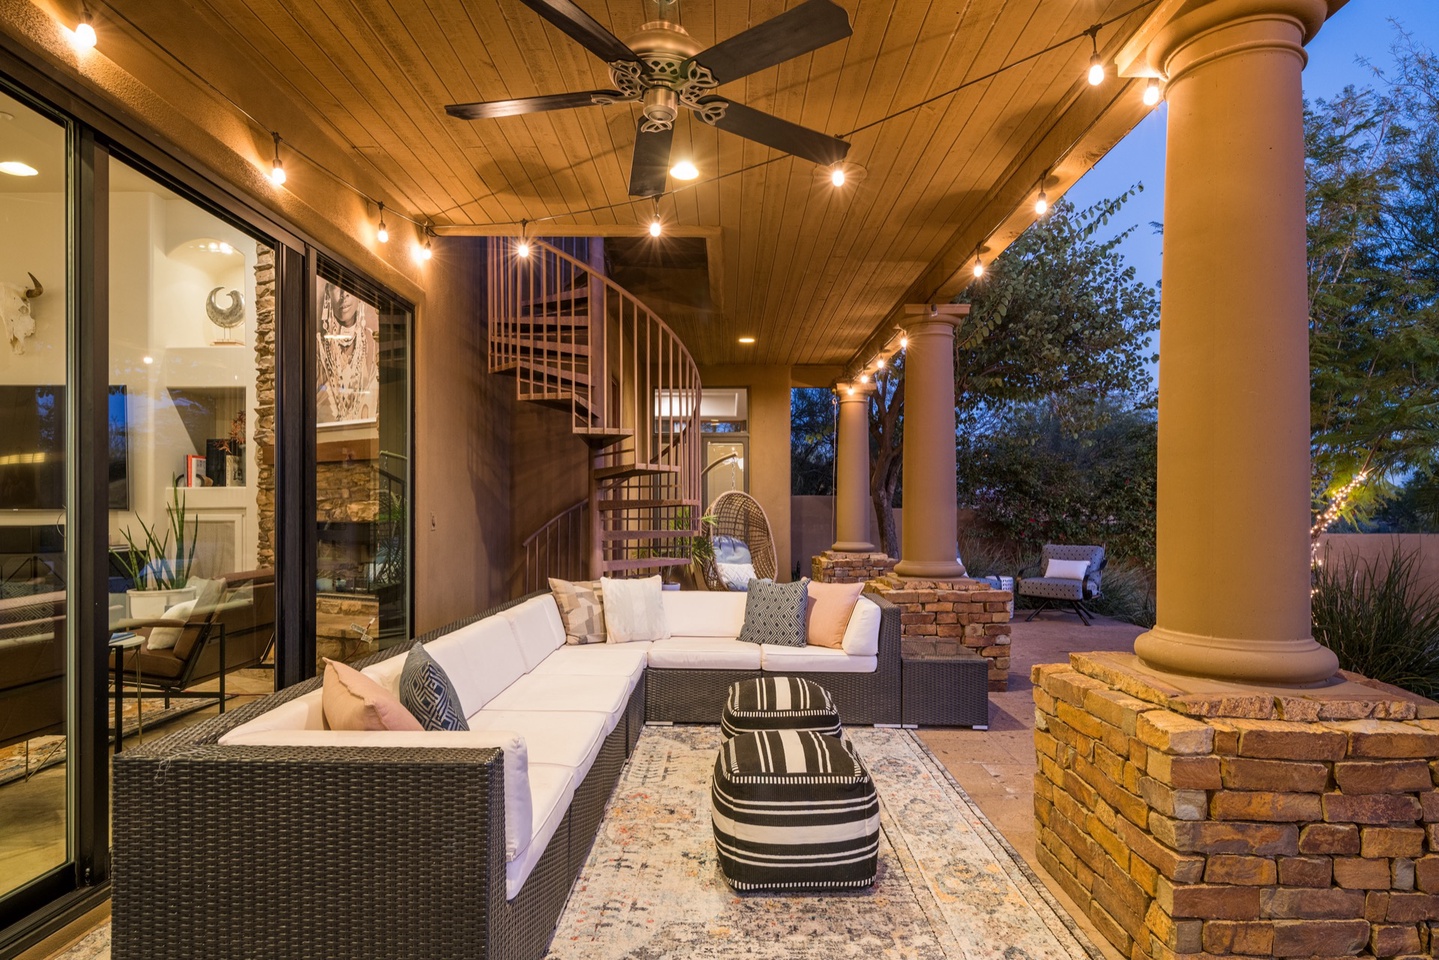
(809, 270)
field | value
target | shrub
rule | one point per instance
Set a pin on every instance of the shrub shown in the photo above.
(1128, 594)
(1380, 621)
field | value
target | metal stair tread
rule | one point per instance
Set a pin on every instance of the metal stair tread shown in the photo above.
(634, 470)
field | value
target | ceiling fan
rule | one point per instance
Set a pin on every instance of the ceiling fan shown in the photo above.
(665, 69)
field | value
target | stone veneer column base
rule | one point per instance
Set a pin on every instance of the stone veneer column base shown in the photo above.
(940, 618)
(1193, 818)
(838, 566)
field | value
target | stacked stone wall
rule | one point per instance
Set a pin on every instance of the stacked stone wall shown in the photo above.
(836, 567)
(1287, 826)
(264, 425)
(941, 618)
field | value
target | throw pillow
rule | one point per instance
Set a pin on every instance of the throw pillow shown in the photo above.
(774, 613)
(828, 610)
(426, 691)
(634, 610)
(735, 576)
(352, 701)
(731, 550)
(1066, 569)
(165, 638)
(582, 608)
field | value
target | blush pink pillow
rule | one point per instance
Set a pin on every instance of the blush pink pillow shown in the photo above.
(352, 701)
(827, 612)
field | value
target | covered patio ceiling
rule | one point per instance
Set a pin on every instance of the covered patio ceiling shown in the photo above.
(817, 274)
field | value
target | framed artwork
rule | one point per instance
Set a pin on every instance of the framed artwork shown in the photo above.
(347, 380)
(195, 470)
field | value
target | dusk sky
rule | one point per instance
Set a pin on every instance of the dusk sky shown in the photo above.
(1361, 30)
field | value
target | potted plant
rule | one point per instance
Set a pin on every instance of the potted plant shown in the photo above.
(160, 575)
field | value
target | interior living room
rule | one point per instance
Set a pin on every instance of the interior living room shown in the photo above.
(396, 539)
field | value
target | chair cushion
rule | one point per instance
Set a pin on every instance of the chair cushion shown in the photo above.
(426, 691)
(774, 613)
(1052, 587)
(481, 659)
(1065, 569)
(634, 609)
(551, 788)
(352, 701)
(731, 550)
(591, 694)
(704, 653)
(537, 627)
(861, 637)
(812, 659)
(704, 613)
(153, 663)
(827, 611)
(778, 703)
(582, 610)
(735, 576)
(165, 638)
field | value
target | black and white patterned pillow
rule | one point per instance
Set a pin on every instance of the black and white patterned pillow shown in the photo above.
(426, 691)
(774, 613)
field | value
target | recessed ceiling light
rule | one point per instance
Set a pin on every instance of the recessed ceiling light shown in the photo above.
(684, 170)
(746, 339)
(17, 169)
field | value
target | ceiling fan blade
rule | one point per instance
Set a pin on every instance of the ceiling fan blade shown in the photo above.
(809, 26)
(771, 131)
(582, 28)
(511, 108)
(650, 169)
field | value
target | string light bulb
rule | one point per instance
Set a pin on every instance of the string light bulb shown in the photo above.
(1096, 66)
(1041, 204)
(427, 251)
(277, 166)
(904, 343)
(83, 36)
(1151, 92)
(879, 364)
(656, 228)
(522, 249)
(383, 233)
(864, 378)
(836, 175)
(978, 266)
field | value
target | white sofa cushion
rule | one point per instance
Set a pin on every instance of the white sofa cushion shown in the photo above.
(537, 627)
(597, 660)
(705, 653)
(481, 659)
(567, 738)
(704, 613)
(552, 787)
(861, 637)
(634, 610)
(812, 659)
(519, 817)
(301, 713)
(387, 672)
(589, 694)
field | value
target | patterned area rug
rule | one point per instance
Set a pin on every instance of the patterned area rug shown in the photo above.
(949, 886)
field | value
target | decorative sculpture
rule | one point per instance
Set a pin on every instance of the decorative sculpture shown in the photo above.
(15, 308)
(228, 318)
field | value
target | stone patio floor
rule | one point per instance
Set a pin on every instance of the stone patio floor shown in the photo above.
(996, 767)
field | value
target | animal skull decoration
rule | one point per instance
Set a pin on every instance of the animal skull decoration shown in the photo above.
(15, 308)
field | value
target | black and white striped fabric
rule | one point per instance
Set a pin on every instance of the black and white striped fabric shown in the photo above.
(778, 703)
(794, 810)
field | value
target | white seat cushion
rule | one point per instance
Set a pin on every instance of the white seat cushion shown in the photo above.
(811, 659)
(861, 637)
(704, 613)
(588, 694)
(538, 628)
(387, 672)
(301, 713)
(597, 660)
(567, 738)
(480, 659)
(705, 653)
(518, 789)
(551, 790)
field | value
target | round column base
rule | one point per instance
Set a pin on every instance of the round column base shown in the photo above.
(930, 569)
(1300, 661)
(852, 546)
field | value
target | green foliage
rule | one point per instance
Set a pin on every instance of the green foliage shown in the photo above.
(148, 561)
(1372, 179)
(1033, 482)
(811, 441)
(1127, 595)
(1380, 621)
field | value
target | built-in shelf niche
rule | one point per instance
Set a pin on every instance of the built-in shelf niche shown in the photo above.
(207, 412)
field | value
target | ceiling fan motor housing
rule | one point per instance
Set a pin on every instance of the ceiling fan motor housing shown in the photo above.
(661, 77)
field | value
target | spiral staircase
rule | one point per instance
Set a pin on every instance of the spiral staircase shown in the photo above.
(576, 341)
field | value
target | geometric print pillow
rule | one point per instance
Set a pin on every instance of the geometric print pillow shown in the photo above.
(426, 691)
(774, 613)
(582, 608)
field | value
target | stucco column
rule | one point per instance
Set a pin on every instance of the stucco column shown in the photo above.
(930, 544)
(1233, 535)
(851, 471)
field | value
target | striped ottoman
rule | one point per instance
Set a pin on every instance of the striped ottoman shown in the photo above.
(794, 810)
(778, 703)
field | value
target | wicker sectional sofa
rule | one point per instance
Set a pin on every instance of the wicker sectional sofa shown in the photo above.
(260, 834)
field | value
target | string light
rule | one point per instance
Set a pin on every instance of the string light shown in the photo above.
(277, 168)
(382, 234)
(656, 228)
(522, 248)
(849, 391)
(978, 266)
(864, 378)
(83, 36)
(1328, 518)
(1151, 92)
(879, 364)
(427, 251)
(1041, 205)
(904, 343)
(1096, 66)
(836, 175)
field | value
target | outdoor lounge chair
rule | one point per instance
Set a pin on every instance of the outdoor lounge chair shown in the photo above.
(741, 534)
(1051, 591)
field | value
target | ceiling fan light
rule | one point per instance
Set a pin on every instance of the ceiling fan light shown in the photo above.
(684, 170)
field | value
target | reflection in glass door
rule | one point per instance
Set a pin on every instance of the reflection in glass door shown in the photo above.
(34, 751)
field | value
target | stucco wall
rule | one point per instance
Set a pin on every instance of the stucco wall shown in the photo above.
(1346, 548)
(549, 472)
(769, 483)
(812, 527)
